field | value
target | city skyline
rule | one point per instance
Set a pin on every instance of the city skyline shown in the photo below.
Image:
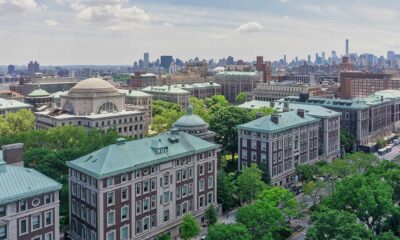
(119, 31)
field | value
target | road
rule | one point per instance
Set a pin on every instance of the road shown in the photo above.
(391, 155)
(223, 218)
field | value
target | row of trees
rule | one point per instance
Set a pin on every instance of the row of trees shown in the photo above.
(13, 123)
(358, 198)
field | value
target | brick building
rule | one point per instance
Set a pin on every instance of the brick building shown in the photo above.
(29, 201)
(280, 142)
(141, 189)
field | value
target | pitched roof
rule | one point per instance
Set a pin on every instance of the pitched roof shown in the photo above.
(12, 104)
(286, 120)
(118, 158)
(165, 89)
(17, 183)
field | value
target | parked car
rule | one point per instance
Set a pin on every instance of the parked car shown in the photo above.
(203, 237)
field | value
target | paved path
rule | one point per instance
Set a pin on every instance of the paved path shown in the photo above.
(391, 155)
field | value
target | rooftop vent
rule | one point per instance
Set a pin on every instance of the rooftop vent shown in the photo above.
(120, 141)
(275, 118)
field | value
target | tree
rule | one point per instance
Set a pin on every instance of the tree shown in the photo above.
(347, 140)
(267, 217)
(200, 109)
(336, 224)
(368, 197)
(380, 143)
(224, 124)
(249, 183)
(314, 191)
(225, 190)
(164, 237)
(228, 232)
(306, 172)
(211, 215)
(241, 97)
(165, 114)
(190, 227)
(261, 112)
(17, 122)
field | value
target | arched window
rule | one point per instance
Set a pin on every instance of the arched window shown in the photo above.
(68, 107)
(108, 107)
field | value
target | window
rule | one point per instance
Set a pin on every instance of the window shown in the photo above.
(36, 222)
(138, 189)
(201, 170)
(138, 226)
(48, 198)
(201, 185)
(110, 181)
(48, 218)
(124, 232)
(35, 202)
(166, 215)
(110, 198)
(201, 201)
(146, 223)
(23, 226)
(153, 220)
(210, 167)
(178, 176)
(124, 178)
(210, 181)
(3, 211)
(153, 202)
(48, 236)
(110, 218)
(138, 207)
(22, 206)
(190, 173)
(184, 174)
(210, 197)
(146, 204)
(153, 184)
(145, 186)
(3, 232)
(124, 213)
(111, 235)
(124, 194)
(165, 197)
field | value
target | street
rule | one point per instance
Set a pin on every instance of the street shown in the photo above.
(390, 155)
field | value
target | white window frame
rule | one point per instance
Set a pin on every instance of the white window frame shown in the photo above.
(45, 218)
(108, 222)
(19, 226)
(40, 222)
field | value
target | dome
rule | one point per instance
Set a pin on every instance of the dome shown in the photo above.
(39, 93)
(190, 121)
(93, 85)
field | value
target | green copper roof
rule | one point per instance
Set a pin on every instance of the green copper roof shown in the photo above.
(122, 157)
(165, 89)
(133, 93)
(17, 183)
(39, 93)
(330, 102)
(12, 104)
(190, 120)
(286, 120)
(312, 110)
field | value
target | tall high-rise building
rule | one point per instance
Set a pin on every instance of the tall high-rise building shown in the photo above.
(284, 58)
(146, 60)
(166, 61)
(347, 47)
(33, 67)
(309, 58)
(259, 63)
(323, 56)
(11, 69)
(230, 60)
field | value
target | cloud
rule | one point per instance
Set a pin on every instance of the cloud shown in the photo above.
(51, 23)
(250, 27)
(167, 24)
(18, 6)
(323, 10)
(110, 14)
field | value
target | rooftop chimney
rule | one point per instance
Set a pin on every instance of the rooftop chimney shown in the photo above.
(14, 154)
(285, 107)
(300, 112)
(275, 118)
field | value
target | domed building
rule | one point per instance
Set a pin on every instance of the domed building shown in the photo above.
(38, 98)
(194, 125)
(95, 103)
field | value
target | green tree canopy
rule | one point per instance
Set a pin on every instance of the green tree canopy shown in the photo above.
(336, 224)
(189, 228)
(347, 140)
(225, 190)
(241, 97)
(20, 121)
(228, 232)
(249, 183)
(211, 215)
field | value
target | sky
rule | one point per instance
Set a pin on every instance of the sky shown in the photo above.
(61, 32)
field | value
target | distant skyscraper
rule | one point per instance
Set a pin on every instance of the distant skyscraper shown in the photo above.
(146, 60)
(230, 60)
(33, 67)
(166, 61)
(323, 56)
(347, 47)
(391, 55)
(259, 63)
(284, 58)
(11, 69)
(309, 59)
(334, 55)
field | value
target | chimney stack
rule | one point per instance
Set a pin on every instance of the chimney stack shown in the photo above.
(300, 112)
(14, 154)
(285, 107)
(275, 118)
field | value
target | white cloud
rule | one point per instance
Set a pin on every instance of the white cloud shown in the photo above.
(323, 10)
(110, 14)
(51, 23)
(18, 6)
(167, 24)
(250, 27)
